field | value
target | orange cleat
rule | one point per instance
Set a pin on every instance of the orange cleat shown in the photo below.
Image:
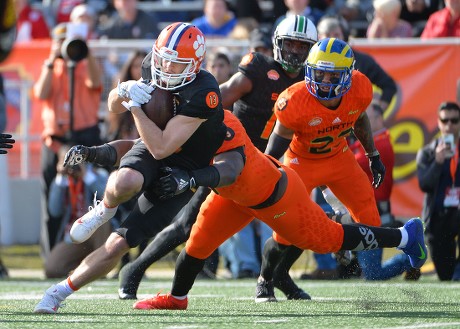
(161, 302)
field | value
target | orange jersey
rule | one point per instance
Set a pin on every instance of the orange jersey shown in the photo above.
(321, 132)
(255, 183)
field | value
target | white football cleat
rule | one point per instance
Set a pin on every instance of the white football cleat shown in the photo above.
(84, 227)
(50, 303)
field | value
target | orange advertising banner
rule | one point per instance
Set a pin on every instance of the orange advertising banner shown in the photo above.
(426, 73)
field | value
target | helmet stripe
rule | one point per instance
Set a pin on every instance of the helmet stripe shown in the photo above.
(176, 35)
(336, 47)
(300, 24)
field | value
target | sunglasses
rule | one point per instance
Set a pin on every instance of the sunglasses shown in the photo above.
(453, 120)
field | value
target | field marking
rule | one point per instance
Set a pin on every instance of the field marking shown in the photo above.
(248, 283)
(427, 325)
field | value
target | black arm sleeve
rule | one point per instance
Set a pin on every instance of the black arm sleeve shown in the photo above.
(277, 145)
(208, 176)
(103, 155)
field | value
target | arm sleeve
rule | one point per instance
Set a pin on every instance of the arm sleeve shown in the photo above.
(277, 145)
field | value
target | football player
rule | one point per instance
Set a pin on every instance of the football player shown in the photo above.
(190, 140)
(313, 120)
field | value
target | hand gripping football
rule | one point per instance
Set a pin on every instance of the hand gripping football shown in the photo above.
(161, 107)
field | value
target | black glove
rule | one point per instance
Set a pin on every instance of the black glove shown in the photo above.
(6, 142)
(377, 170)
(174, 181)
(76, 155)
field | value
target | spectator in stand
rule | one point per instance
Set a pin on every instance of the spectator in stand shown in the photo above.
(52, 89)
(417, 12)
(371, 260)
(333, 27)
(247, 9)
(352, 11)
(63, 8)
(444, 22)
(387, 22)
(438, 173)
(260, 41)
(121, 125)
(129, 22)
(220, 66)
(302, 8)
(71, 193)
(218, 20)
(85, 14)
(31, 23)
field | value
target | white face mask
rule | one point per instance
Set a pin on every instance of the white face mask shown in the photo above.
(170, 81)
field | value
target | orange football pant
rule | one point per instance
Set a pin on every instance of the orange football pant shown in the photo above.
(295, 218)
(343, 175)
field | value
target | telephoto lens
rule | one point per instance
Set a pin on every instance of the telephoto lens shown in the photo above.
(74, 49)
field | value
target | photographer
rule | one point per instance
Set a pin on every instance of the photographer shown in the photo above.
(71, 193)
(438, 173)
(64, 120)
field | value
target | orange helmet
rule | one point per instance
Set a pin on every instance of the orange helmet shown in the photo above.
(180, 43)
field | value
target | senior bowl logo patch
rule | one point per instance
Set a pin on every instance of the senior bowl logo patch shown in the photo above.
(315, 121)
(281, 103)
(273, 75)
(212, 100)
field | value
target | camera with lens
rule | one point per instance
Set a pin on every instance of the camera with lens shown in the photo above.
(74, 49)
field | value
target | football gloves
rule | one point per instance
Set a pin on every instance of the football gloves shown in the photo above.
(76, 155)
(135, 90)
(377, 170)
(173, 181)
(6, 142)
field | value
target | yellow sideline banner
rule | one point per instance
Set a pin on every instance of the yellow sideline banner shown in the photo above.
(426, 74)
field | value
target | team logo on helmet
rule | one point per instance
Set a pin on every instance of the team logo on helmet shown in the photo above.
(199, 46)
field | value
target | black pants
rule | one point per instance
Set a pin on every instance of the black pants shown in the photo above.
(442, 231)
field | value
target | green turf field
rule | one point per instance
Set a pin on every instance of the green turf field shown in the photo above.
(223, 303)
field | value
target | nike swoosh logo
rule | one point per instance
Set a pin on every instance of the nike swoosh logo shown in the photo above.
(422, 252)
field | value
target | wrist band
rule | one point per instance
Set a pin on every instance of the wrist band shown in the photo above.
(372, 154)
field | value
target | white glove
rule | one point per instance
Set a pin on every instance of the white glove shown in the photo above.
(136, 91)
(130, 104)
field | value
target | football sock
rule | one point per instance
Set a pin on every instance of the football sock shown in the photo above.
(271, 256)
(179, 297)
(404, 238)
(108, 212)
(64, 289)
(187, 268)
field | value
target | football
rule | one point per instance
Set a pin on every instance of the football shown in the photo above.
(161, 107)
